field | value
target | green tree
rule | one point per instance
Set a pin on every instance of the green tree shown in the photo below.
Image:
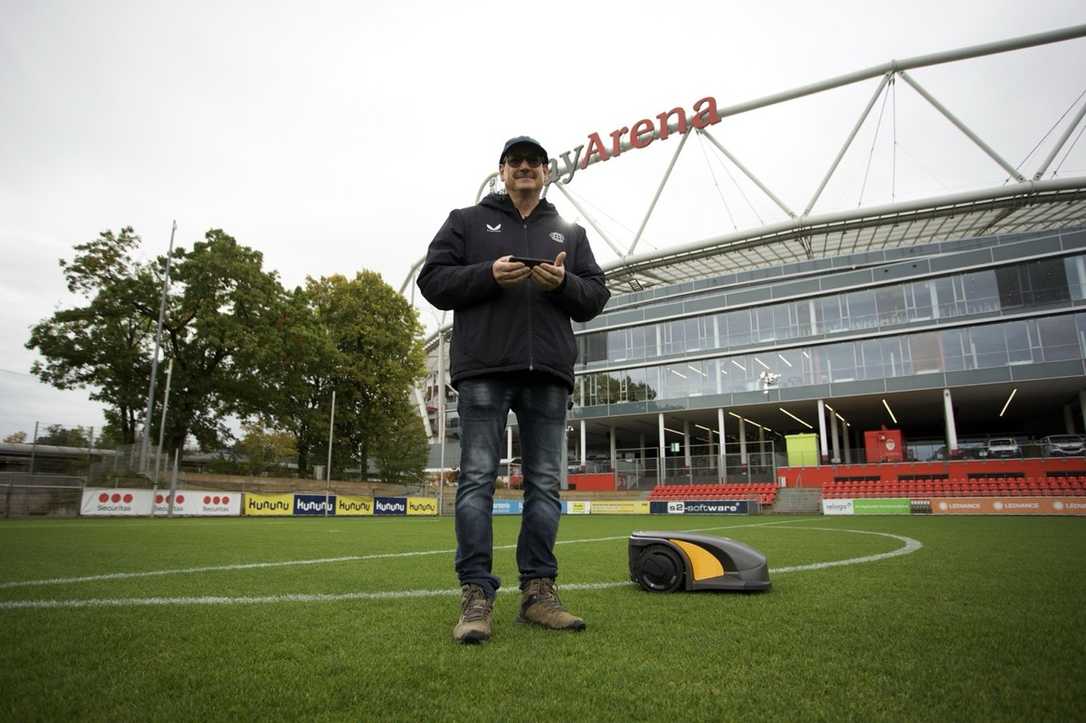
(265, 449)
(16, 438)
(61, 436)
(221, 310)
(400, 453)
(358, 337)
(102, 344)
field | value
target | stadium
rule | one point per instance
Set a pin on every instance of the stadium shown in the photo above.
(884, 400)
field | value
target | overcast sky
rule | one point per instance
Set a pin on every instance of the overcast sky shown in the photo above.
(336, 136)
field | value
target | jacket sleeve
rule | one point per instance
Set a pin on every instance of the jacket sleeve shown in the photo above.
(583, 293)
(446, 280)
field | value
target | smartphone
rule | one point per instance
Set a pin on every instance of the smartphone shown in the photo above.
(529, 261)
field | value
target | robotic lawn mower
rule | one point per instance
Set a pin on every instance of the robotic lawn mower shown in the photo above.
(669, 561)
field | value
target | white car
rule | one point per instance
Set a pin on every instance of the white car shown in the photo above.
(1064, 445)
(1003, 447)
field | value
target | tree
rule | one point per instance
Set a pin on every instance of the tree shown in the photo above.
(265, 449)
(401, 452)
(221, 310)
(103, 344)
(60, 436)
(358, 337)
(16, 438)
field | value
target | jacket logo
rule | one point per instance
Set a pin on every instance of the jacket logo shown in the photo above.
(493, 229)
(558, 237)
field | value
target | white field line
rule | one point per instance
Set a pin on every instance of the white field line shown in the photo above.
(910, 546)
(318, 561)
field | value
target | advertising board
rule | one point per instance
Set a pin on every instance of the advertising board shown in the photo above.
(837, 507)
(620, 507)
(353, 506)
(389, 506)
(1008, 506)
(314, 505)
(199, 503)
(882, 506)
(268, 505)
(576, 507)
(115, 502)
(509, 507)
(421, 506)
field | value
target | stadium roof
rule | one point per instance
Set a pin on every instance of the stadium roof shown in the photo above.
(1032, 206)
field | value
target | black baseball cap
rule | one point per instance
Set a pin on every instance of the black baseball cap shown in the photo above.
(522, 141)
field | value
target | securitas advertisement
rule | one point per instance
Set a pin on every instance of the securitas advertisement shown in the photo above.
(199, 503)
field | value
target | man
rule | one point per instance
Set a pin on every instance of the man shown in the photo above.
(512, 348)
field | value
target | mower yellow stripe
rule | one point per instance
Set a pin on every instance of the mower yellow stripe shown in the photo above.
(705, 563)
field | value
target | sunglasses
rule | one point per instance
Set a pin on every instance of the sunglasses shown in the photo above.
(515, 160)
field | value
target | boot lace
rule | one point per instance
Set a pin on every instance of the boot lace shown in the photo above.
(545, 593)
(475, 605)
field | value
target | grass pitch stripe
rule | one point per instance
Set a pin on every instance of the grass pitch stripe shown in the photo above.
(317, 561)
(910, 546)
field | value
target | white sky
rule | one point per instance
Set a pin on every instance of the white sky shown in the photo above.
(335, 136)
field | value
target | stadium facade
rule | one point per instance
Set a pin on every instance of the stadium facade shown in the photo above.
(950, 319)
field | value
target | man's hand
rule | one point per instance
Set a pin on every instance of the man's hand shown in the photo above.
(550, 276)
(509, 273)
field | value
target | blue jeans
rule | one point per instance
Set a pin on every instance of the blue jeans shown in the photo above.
(540, 406)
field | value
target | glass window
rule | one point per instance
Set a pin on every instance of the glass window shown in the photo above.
(862, 311)
(918, 301)
(981, 292)
(841, 362)
(926, 355)
(949, 293)
(830, 314)
(673, 337)
(987, 347)
(890, 301)
(1019, 348)
(701, 377)
(1058, 338)
(735, 328)
(1075, 271)
(1047, 282)
(954, 344)
(1009, 280)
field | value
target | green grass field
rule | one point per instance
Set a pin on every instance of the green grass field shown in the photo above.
(987, 621)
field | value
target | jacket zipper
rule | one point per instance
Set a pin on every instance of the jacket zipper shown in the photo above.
(531, 305)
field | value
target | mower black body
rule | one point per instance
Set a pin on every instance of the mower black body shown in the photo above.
(667, 561)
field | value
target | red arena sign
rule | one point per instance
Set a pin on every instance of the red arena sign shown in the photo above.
(640, 135)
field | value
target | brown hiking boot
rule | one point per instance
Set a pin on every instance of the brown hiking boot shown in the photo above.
(475, 610)
(539, 604)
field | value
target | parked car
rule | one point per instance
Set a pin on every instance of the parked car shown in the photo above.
(1003, 447)
(1064, 445)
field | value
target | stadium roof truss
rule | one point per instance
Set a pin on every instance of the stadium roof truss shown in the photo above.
(1023, 203)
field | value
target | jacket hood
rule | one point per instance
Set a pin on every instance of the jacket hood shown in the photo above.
(502, 202)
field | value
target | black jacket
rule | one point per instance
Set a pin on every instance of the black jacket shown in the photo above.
(522, 327)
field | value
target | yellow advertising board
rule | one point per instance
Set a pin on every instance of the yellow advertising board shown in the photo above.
(620, 507)
(421, 506)
(277, 505)
(353, 506)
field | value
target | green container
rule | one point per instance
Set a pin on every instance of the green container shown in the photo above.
(888, 506)
(802, 450)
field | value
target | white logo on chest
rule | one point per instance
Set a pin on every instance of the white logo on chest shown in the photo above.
(558, 237)
(493, 229)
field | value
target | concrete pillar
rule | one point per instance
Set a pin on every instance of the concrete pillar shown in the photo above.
(761, 447)
(614, 452)
(663, 449)
(742, 441)
(822, 446)
(584, 451)
(814, 317)
(565, 457)
(509, 443)
(686, 442)
(1068, 419)
(835, 439)
(848, 443)
(721, 465)
(951, 427)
